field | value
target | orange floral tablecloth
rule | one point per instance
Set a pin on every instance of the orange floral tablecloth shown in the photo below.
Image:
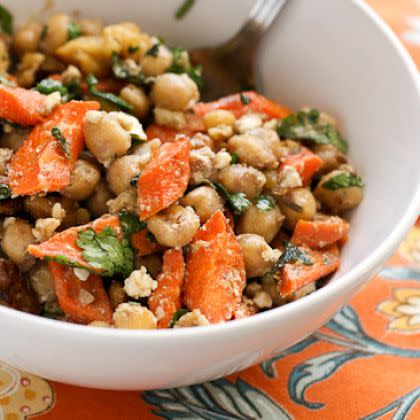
(365, 363)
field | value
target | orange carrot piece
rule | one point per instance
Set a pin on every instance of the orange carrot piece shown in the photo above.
(40, 164)
(166, 134)
(215, 276)
(165, 300)
(68, 288)
(296, 275)
(165, 178)
(21, 106)
(63, 244)
(320, 233)
(144, 246)
(305, 162)
(257, 103)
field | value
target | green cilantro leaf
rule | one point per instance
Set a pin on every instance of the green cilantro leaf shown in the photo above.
(291, 254)
(62, 141)
(71, 90)
(153, 50)
(44, 32)
(91, 81)
(177, 315)
(234, 158)
(238, 202)
(130, 223)
(265, 203)
(73, 31)
(305, 125)
(104, 251)
(133, 49)
(343, 180)
(180, 64)
(244, 99)
(4, 192)
(6, 20)
(184, 8)
(134, 181)
(120, 71)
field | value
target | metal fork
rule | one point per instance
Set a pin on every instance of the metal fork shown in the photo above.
(229, 67)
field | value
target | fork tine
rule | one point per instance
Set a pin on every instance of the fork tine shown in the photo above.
(264, 11)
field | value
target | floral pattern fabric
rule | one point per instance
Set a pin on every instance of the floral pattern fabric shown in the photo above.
(363, 364)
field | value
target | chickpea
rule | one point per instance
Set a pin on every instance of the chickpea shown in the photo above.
(298, 203)
(41, 282)
(146, 150)
(5, 155)
(108, 135)
(26, 39)
(84, 179)
(174, 226)
(122, 171)
(272, 179)
(127, 200)
(134, 316)
(260, 148)
(28, 68)
(200, 140)
(204, 200)
(4, 57)
(116, 293)
(57, 33)
(265, 223)
(239, 178)
(97, 201)
(14, 138)
(201, 165)
(259, 257)
(331, 157)
(219, 117)
(137, 98)
(341, 199)
(17, 235)
(175, 92)
(152, 65)
(90, 26)
(171, 119)
(153, 264)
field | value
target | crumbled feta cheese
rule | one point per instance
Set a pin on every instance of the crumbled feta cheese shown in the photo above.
(271, 255)
(57, 212)
(248, 122)
(81, 273)
(134, 316)
(51, 101)
(45, 228)
(289, 177)
(85, 297)
(222, 159)
(70, 74)
(262, 299)
(192, 319)
(139, 284)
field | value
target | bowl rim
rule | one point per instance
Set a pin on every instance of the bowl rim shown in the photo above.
(365, 266)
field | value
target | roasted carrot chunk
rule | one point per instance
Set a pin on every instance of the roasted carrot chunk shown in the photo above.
(165, 134)
(62, 247)
(305, 162)
(21, 106)
(215, 275)
(296, 275)
(241, 104)
(43, 163)
(165, 178)
(320, 233)
(165, 300)
(142, 242)
(81, 301)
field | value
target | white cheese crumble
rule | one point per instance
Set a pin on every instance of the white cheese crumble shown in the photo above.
(289, 177)
(192, 319)
(139, 284)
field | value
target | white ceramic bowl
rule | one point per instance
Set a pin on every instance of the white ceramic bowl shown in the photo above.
(333, 54)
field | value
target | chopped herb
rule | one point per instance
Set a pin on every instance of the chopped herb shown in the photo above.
(44, 32)
(133, 49)
(291, 254)
(292, 205)
(136, 138)
(104, 251)
(153, 50)
(62, 141)
(343, 180)
(151, 237)
(245, 99)
(238, 202)
(6, 20)
(135, 180)
(62, 259)
(71, 90)
(91, 81)
(184, 8)
(73, 31)
(177, 315)
(305, 125)
(180, 64)
(5, 81)
(130, 223)
(234, 158)
(120, 71)
(4, 192)
(265, 203)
